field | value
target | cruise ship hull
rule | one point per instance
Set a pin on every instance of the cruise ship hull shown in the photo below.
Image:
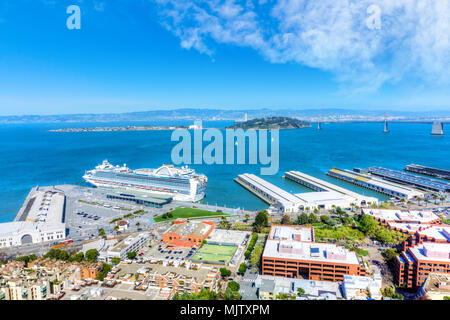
(111, 185)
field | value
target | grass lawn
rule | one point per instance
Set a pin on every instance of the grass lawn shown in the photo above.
(189, 213)
(214, 254)
(363, 252)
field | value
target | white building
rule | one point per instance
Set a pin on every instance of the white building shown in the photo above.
(355, 287)
(40, 219)
(121, 249)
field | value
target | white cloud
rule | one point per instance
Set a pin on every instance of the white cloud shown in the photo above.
(412, 38)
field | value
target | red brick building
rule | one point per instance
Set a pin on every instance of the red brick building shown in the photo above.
(184, 233)
(291, 252)
(412, 267)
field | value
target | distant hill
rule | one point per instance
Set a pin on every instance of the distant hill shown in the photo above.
(191, 114)
(272, 123)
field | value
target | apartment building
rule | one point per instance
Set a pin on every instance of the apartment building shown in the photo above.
(289, 252)
(412, 267)
(121, 249)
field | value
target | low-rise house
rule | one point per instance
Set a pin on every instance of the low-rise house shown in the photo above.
(272, 287)
(357, 287)
(436, 287)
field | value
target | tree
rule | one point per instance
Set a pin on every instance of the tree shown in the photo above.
(302, 219)
(261, 220)
(242, 268)
(91, 255)
(104, 272)
(300, 291)
(312, 218)
(286, 219)
(435, 197)
(131, 255)
(225, 273)
(389, 254)
(256, 254)
(418, 200)
(101, 232)
(63, 255)
(77, 257)
(389, 292)
(232, 295)
(368, 224)
(233, 285)
(324, 218)
(224, 224)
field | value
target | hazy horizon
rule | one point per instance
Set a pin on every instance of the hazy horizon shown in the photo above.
(144, 55)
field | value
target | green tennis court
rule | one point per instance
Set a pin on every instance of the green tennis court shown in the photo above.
(214, 254)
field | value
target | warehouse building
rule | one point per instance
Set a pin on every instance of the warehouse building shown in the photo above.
(40, 219)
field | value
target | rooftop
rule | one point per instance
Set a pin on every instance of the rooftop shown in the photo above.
(432, 252)
(437, 282)
(190, 228)
(438, 232)
(288, 285)
(291, 233)
(321, 252)
(402, 216)
(228, 236)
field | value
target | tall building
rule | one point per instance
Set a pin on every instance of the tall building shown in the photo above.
(412, 267)
(291, 252)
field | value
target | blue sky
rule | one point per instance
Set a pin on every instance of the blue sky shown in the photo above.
(133, 55)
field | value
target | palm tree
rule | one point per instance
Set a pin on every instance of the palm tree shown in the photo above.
(352, 206)
(418, 200)
(435, 197)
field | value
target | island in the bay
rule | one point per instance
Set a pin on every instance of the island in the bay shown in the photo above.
(127, 128)
(271, 123)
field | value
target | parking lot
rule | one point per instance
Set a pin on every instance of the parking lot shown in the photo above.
(161, 252)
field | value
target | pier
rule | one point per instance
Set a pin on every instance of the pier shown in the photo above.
(269, 193)
(429, 171)
(388, 188)
(324, 186)
(411, 180)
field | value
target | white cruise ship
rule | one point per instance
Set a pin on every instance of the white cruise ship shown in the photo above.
(182, 184)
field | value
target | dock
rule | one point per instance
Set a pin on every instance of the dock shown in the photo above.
(366, 181)
(324, 186)
(410, 179)
(429, 171)
(269, 193)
